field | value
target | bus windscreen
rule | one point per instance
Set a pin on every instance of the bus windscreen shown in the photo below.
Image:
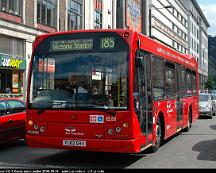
(83, 74)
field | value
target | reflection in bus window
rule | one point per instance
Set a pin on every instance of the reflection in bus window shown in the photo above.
(99, 79)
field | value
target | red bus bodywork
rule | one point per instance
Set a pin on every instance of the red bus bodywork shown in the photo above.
(96, 137)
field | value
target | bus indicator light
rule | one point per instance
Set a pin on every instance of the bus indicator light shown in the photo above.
(125, 125)
(30, 122)
(126, 34)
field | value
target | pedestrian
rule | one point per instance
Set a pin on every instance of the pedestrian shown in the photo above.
(8, 90)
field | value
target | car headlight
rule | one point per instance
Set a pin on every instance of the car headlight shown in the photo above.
(208, 107)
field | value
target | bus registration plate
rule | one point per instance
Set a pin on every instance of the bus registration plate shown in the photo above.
(74, 143)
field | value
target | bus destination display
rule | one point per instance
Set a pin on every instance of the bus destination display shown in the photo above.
(69, 45)
(81, 44)
(107, 43)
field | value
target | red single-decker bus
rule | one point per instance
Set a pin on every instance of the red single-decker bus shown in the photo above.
(108, 91)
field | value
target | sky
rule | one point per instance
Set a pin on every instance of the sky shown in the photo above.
(209, 9)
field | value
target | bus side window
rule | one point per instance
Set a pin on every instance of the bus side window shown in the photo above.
(170, 80)
(158, 78)
(189, 86)
(180, 81)
(194, 82)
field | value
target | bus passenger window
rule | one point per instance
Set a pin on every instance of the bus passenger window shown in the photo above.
(170, 80)
(189, 82)
(158, 78)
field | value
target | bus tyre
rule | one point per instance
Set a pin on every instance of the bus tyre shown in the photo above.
(158, 137)
(189, 121)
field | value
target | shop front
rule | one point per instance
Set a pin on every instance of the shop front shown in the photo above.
(12, 71)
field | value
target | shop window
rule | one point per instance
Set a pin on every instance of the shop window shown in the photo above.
(11, 6)
(75, 9)
(47, 12)
(98, 14)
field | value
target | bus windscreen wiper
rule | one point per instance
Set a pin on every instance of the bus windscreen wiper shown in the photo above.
(42, 104)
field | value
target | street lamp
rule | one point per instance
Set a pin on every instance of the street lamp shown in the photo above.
(150, 15)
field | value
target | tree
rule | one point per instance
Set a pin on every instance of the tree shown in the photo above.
(210, 84)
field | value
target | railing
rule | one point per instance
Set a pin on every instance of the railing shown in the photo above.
(2, 95)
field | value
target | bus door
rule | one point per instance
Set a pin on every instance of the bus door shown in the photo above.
(180, 73)
(142, 94)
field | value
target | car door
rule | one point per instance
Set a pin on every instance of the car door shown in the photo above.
(17, 117)
(5, 122)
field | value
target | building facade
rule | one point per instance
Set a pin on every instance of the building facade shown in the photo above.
(212, 57)
(179, 24)
(198, 34)
(22, 20)
(168, 21)
(16, 37)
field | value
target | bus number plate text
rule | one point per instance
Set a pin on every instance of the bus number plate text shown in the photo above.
(74, 143)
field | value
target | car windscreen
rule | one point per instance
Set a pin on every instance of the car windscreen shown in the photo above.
(204, 98)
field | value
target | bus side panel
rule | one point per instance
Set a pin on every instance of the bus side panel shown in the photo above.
(186, 108)
(168, 109)
(195, 105)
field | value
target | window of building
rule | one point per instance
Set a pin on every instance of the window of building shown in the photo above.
(13, 7)
(47, 12)
(75, 14)
(11, 46)
(98, 14)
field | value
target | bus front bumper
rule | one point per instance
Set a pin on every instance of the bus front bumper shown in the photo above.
(95, 145)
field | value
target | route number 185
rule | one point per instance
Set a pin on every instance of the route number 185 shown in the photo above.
(108, 43)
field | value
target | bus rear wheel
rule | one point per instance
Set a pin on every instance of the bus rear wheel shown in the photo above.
(158, 137)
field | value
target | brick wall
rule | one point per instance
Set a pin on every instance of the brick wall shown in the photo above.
(62, 15)
(29, 8)
(10, 17)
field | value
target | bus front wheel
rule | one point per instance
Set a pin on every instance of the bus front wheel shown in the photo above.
(189, 121)
(158, 137)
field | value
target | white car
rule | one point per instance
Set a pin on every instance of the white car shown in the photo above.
(213, 98)
(205, 105)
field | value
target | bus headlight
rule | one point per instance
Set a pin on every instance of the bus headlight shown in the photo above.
(42, 129)
(118, 129)
(36, 126)
(125, 125)
(30, 122)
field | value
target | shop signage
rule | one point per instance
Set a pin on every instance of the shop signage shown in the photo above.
(169, 32)
(11, 61)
